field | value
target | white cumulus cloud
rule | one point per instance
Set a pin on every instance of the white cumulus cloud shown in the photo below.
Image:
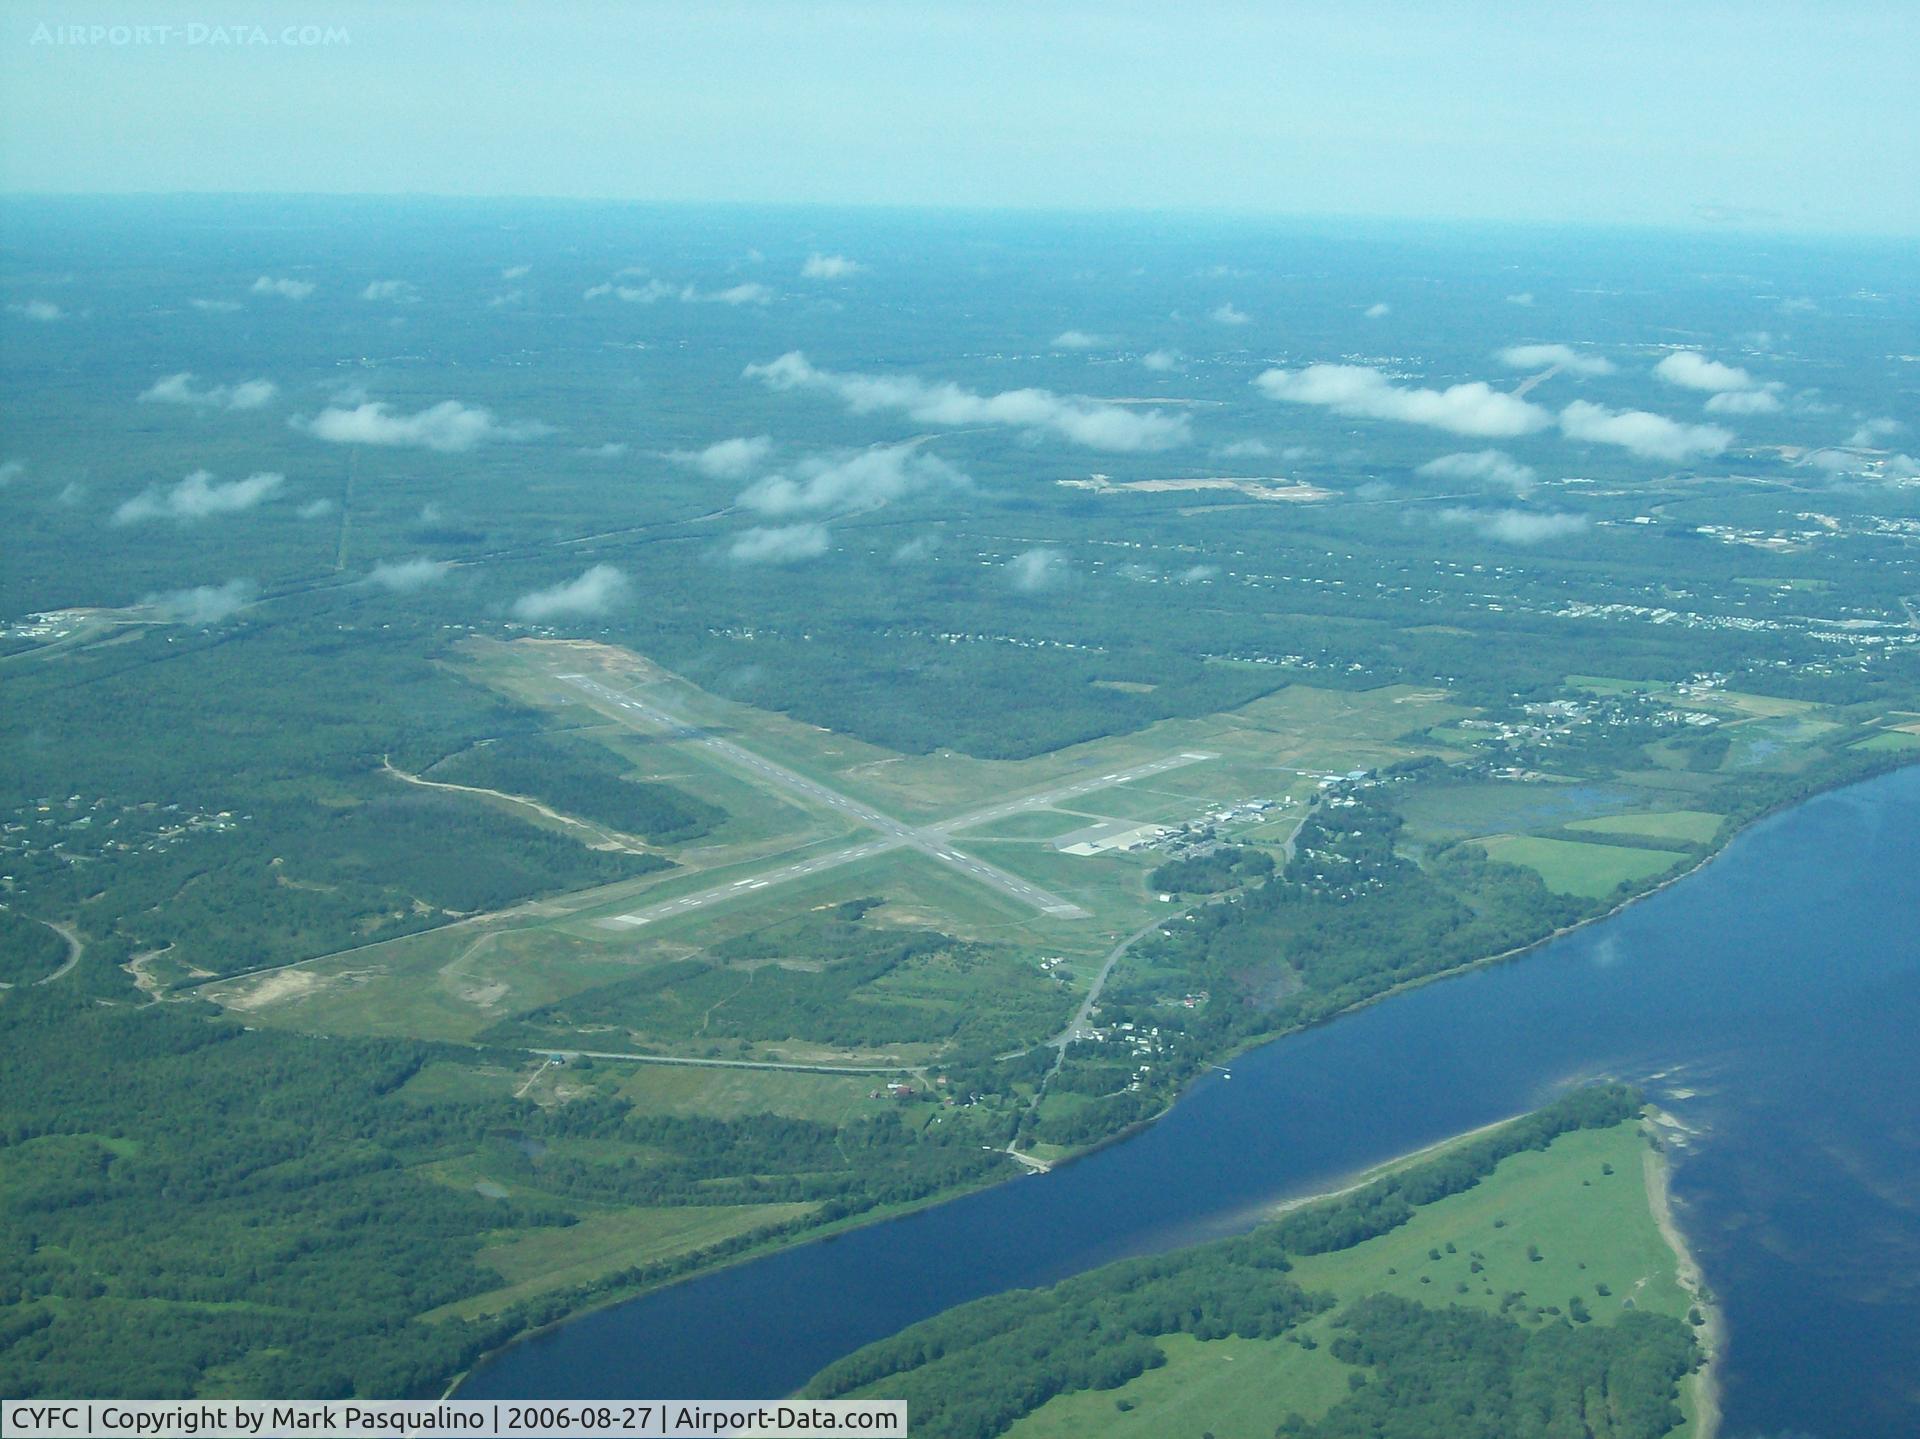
(1078, 340)
(45, 311)
(779, 545)
(1516, 527)
(1565, 357)
(1870, 433)
(1744, 402)
(1692, 370)
(1379, 310)
(1473, 408)
(400, 290)
(203, 604)
(591, 594)
(1160, 360)
(448, 426)
(851, 482)
(1484, 466)
(750, 293)
(403, 576)
(829, 267)
(198, 497)
(1650, 436)
(1226, 313)
(1040, 568)
(1083, 421)
(285, 289)
(732, 459)
(178, 389)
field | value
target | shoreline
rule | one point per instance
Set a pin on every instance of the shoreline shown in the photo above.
(1706, 1388)
(612, 1301)
(1657, 1168)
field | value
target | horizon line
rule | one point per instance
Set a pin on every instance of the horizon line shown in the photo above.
(1757, 229)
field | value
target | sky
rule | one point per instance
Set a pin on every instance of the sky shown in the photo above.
(1758, 114)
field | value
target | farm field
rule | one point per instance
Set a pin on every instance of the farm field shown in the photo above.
(604, 1244)
(1582, 1204)
(1690, 826)
(1571, 867)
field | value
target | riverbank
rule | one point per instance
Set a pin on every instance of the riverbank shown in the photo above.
(1711, 1335)
(808, 1237)
(1072, 1160)
(1713, 982)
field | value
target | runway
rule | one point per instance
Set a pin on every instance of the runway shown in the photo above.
(933, 840)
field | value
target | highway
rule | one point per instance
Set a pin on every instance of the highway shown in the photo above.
(932, 840)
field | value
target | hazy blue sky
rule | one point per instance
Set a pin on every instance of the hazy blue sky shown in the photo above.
(1800, 116)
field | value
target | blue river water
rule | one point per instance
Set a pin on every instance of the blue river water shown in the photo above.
(1771, 1001)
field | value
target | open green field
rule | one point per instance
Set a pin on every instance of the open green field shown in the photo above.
(602, 1244)
(1594, 1230)
(1033, 824)
(1464, 808)
(731, 1093)
(1607, 685)
(1690, 825)
(455, 982)
(1893, 739)
(1112, 885)
(1296, 727)
(444, 984)
(1758, 706)
(1571, 867)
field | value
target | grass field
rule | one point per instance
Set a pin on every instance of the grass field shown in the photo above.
(1780, 742)
(1591, 1229)
(1759, 706)
(1606, 685)
(601, 1244)
(455, 982)
(1690, 825)
(1040, 824)
(1476, 807)
(1893, 739)
(731, 1093)
(445, 984)
(1571, 867)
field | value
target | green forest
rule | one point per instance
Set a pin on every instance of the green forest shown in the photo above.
(582, 779)
(252, 1212)
(1416, 1370)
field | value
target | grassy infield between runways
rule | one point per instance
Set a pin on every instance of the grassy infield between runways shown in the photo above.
(454, 983)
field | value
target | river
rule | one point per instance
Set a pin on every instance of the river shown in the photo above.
(1770, 1001)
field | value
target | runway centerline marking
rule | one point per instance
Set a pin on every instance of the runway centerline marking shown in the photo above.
(933, 840)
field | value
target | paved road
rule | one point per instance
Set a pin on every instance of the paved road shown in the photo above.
(932, 840)
(75, 948)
